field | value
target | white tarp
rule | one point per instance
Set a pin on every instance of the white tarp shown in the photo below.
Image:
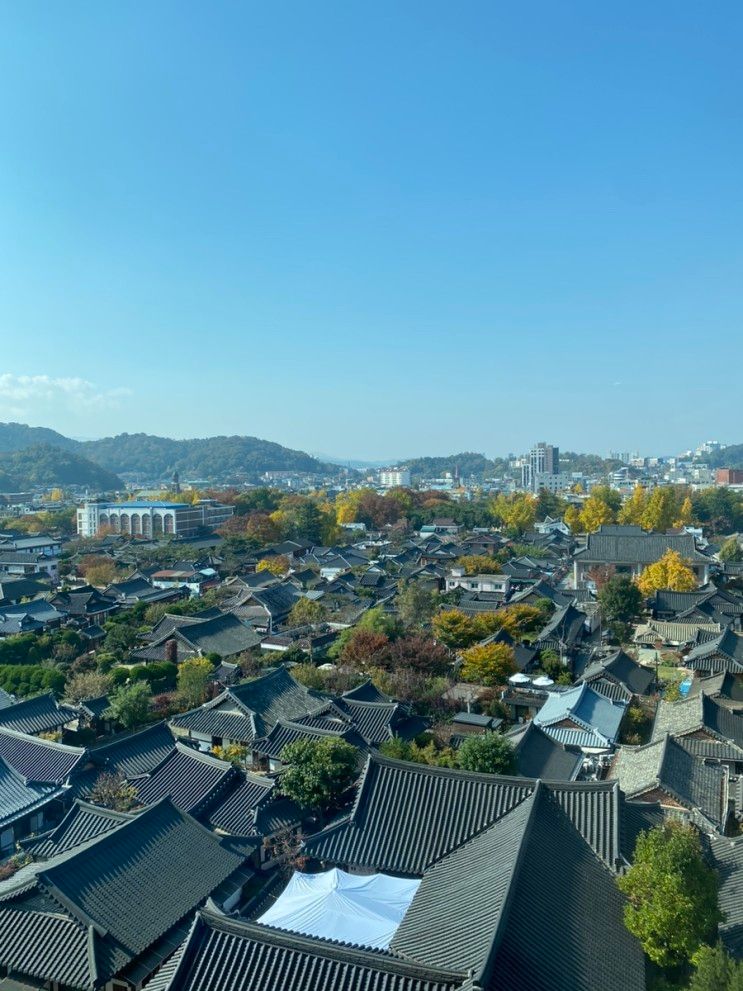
(364, 910)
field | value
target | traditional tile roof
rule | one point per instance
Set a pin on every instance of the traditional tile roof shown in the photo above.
(285, 732)
(37, 715)
(190, 779)
(262, 701)
(632, 545)
(83, 822)
(406, 816)
(539, 756)
(700, 712)
(138, 753)
(242, 956)
(666, 764)
(40, 760)
(673, 633)
(236, 813)
(480, 908)
(621, 669)
(722, 653)
(20, 797)
(566, 626)
(581, 717)
(375, 721)
(728, 855)
(84, 916)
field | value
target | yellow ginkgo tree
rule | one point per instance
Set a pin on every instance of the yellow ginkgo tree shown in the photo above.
(670, 572)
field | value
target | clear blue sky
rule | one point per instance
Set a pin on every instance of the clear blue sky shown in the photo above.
(374, 229)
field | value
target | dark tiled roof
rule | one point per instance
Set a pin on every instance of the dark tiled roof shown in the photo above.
(538, 756)
(236, 813)
(262, 701)
(721, 653)
(82, 917)
(485, 908)
(136, 754)
(275, 696)
(607, 546)
(190, 779)
(36, 715)
(40, 760)
(667, 765)
(366, 692)
(83, 822)
(621, 668)
(286, 732)
(19, 797)
(240, 956)
(406, 816)
(728, 856)
(217, 722)
(531, 950)
(375, 721)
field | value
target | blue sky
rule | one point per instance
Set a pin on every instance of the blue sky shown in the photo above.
(374, 230)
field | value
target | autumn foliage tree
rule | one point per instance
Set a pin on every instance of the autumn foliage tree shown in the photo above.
(669, 572)
(488, 664)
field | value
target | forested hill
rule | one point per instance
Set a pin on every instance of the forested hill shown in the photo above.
(49, 466)
(19, 436)
(467, 464)
(210, 457)
(728, 457)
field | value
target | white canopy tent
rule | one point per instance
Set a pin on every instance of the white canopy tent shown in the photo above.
(363, 910)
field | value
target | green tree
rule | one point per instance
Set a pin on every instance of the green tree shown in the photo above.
(714, 970)
(130, 704)
(672, 894)
(620, 600)
(487, 753)
(193, 679)
(416, 604)
(488, 664)
(317, 772)
(731, 550)
(306, 611)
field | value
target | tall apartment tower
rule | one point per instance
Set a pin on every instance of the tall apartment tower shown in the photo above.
(543, 460)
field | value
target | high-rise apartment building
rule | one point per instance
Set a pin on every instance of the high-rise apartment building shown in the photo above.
(543, 460)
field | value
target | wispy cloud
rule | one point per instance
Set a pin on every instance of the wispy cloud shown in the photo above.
(25, 395)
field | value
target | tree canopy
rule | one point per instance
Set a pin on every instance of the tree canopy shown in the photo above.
(669, 572)
(487, 753)
(672, 894)
(317, 772)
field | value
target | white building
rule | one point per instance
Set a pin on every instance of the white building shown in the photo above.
(392, 478)
(152, 519)
(457, 578)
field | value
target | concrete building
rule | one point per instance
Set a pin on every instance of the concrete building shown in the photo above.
(152, 519)
(540, 467)
(392, 478)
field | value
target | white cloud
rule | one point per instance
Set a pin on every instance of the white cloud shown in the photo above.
(27, 395)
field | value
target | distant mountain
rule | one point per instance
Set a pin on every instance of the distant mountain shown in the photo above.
(47, 466)
(210, 457)
(19, 436)
(213, 458)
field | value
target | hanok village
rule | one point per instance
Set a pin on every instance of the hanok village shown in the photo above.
(409, 753)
